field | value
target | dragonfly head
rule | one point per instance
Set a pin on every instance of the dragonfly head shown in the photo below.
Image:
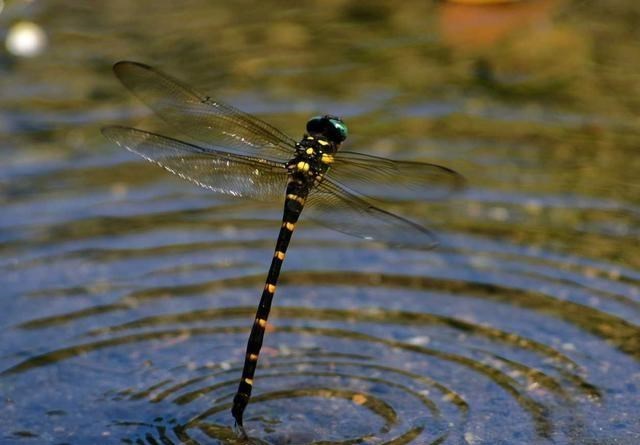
(331, 128)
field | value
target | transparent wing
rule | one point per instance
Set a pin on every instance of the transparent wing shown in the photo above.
(336, 208)
(222, 172)
(205, 120)
(398, 180)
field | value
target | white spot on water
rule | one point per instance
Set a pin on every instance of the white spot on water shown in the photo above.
(420, 340)
(25, 39)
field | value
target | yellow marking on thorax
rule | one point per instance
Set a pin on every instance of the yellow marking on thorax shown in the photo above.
(310, 151)
(321, 142)
(262, 322)
(303, 166)
(279, 255)
(270, 288)
(289, 226)
(326, 159)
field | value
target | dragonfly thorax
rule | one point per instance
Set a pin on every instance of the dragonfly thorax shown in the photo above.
(312, 159)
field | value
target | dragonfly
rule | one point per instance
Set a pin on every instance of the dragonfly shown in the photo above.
(234, 153)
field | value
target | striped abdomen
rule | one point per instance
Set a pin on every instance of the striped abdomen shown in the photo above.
(297, 191)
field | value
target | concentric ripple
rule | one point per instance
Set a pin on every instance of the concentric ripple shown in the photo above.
(350, 356)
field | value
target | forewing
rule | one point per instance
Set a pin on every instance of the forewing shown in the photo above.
(196, 115)
(219, 171)
(341, 210)
(398, 180)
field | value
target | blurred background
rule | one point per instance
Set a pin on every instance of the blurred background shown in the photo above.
(127, 294)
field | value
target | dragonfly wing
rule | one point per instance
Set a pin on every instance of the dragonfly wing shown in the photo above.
(200, 117)
(398, 180)
(221, 172)
(336, 208)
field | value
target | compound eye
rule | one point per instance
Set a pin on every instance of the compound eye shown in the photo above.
(316, 125)
(330, 127)
(340, 128)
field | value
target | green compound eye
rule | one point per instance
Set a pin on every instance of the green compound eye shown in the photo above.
(340, 127)
(330, 127)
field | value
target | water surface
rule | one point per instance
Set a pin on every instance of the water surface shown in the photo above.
(128, 294)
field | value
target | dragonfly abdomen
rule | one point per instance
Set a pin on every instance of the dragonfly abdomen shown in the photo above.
(297, 191)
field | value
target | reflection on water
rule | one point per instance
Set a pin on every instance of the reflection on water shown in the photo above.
(26, 39)
(128, 295)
